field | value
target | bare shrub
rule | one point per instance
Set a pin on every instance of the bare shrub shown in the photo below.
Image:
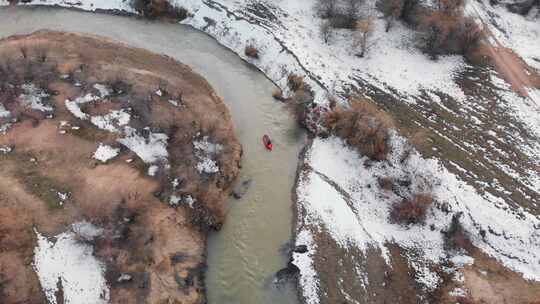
(409, 11)
(391, 10)
(455, 237)
(448, 34)
(41, 54)
(386, 183)
(159, 9)
(327, 9)
(362, 126)
(352, 10)
(450, 7)
(301, 102)
(469, 34)
(295, 82)
(412, 210)
(326, 31)
(118, 86)
(251, 51)
(24, 51)
(363, 31)
(302, 99)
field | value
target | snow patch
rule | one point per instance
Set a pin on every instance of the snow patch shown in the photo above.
(35, 98)
(150, 149)
(105, 153)
(72, 263)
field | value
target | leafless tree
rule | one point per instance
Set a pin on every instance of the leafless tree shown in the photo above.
(327, 8)
(363, 30)
(352, 10)
(326, 31)
(392, 10)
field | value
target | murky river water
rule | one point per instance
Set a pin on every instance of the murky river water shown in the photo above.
(244, 255)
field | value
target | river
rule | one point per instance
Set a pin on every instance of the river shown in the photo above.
(244, 255)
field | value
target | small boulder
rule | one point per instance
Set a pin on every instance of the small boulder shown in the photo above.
(301, 249)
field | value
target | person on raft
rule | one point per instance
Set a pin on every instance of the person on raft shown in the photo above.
(267, 142)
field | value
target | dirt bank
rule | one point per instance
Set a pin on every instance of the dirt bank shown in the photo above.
(132, 142)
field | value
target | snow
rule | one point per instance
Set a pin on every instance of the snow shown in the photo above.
(152, 170)
(72, 263)
(74, 106)
(112, 120)
(4, 128)
(35, 98)
(304, 261)
(462, 260)
(457, 292)
(205, 151)
(103, 90)
(511, 30)
(63, 197)
(3, 112)
(341, 196)
(207, 165)
(86, 230)
(175, 200)
(105, 153)
(150, 150)
(5, 149)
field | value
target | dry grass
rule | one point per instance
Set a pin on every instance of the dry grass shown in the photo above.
(413, 210)
(362, 126)
(251, 51)
(295, 82)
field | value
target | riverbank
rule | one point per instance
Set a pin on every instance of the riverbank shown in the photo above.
(151, 159)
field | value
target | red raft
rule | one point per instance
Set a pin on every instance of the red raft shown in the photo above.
(267, 142)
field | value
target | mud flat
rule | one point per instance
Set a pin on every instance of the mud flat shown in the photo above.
(116, 163)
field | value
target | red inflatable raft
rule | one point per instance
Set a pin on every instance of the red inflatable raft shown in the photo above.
(267, 142)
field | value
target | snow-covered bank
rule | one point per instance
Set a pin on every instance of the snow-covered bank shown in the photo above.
(340, 196)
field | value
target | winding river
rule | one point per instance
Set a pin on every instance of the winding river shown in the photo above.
(244, 255)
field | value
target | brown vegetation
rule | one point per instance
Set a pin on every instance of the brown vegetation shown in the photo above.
(159, 9)
(301, 102)
(412, 210)
(251, 51)
(445, 33)
(363, 126)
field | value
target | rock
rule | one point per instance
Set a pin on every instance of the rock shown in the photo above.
(287, 274)
(241, 190)
(301, 249)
